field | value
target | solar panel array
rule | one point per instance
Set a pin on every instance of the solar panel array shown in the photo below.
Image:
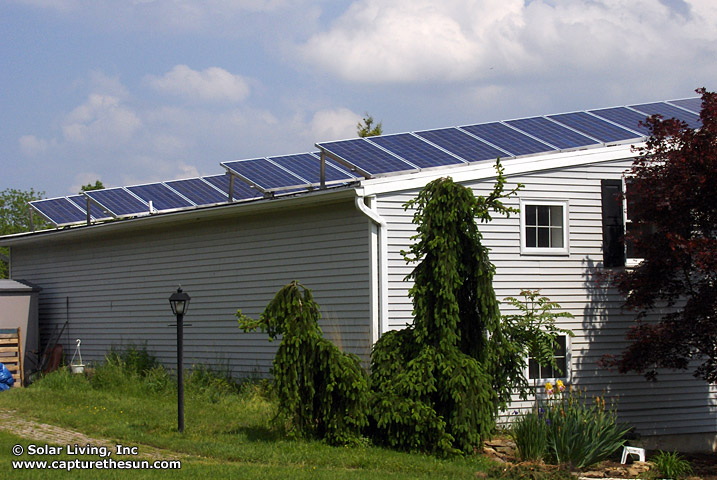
(287, 173)
(135, 200)
(346, 161)
(511, 138)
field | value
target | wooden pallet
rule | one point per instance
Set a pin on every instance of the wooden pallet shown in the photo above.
(11, 353)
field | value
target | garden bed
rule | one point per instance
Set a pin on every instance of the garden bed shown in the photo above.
(503, 450)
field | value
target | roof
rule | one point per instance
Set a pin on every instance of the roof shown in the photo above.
(17, 286)
(350, 162)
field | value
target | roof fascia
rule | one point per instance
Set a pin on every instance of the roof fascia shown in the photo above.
(217, 211)
(513, 166)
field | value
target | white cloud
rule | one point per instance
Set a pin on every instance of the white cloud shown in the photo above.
(187, 171)
(213, 84)
(333, 124)
(99, 82)
(101, 120)
(32, 146)
(423, 41)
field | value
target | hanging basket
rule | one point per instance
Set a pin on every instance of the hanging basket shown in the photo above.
(77, 367)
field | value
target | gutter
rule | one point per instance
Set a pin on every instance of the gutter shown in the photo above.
(379, 311)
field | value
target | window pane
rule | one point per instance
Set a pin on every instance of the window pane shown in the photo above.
(560, 351)
(561, 371)
(533, 369)
(637, 232)
(556, 237)
(630, 197)
(547, 371)
(530, 214)
(544, 237)
(531, 234)
(556, 216)
(543, 215)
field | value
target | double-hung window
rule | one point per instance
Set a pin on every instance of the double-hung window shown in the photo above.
(548, 372)
(620, 230)
(544, 227)
(635, 231)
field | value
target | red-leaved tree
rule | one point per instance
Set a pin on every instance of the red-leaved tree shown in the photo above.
(673, 194)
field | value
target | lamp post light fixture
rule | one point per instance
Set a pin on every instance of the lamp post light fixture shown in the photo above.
(179, 302)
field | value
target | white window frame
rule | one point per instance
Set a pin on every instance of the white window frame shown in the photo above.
(567, 374)
(565, 249)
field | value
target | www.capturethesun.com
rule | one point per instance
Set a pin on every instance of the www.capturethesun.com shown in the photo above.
(104, 452)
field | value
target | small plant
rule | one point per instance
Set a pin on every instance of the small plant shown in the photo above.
(582, 434)
(531, 435)
(129, 365)
(672, 465)
(61, 380)
(133, 358)
(211, 382)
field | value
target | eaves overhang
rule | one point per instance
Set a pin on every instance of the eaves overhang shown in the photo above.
(313, 198)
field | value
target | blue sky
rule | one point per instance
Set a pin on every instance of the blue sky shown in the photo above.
(136, 91)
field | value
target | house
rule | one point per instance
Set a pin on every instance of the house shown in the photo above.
(334, 220)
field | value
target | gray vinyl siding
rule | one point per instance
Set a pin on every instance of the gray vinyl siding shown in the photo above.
(677, 403)
(117, 286)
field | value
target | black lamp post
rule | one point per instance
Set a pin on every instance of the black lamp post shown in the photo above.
(180, 303)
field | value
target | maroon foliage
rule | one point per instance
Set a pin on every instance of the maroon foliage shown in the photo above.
(674, 192)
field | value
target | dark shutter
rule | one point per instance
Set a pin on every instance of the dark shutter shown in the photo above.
(612, 224)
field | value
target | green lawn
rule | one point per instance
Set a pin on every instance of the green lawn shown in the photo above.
(228, 434)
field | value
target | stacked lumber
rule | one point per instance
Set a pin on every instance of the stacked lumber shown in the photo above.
(11, 353)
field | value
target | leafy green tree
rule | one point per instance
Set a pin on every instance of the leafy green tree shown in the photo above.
(366, 127)
(15, 218)
(438, 384)
(97, 186)
(322, 391)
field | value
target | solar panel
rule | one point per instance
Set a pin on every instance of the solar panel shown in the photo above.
(624, 117)
(59, 211)
(161, 196)
(593, 126)
(198, 191)
(551, 132)
(118, 201)
(308, 166)
(242, 191)
(96, 212)
(694, 104)
(462, 144)
(415, 150)
(669, 111)
(264, 174)
(366, 157)
(508, 139)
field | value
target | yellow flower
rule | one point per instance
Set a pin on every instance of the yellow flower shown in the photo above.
(561, 386)
(549, 388)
